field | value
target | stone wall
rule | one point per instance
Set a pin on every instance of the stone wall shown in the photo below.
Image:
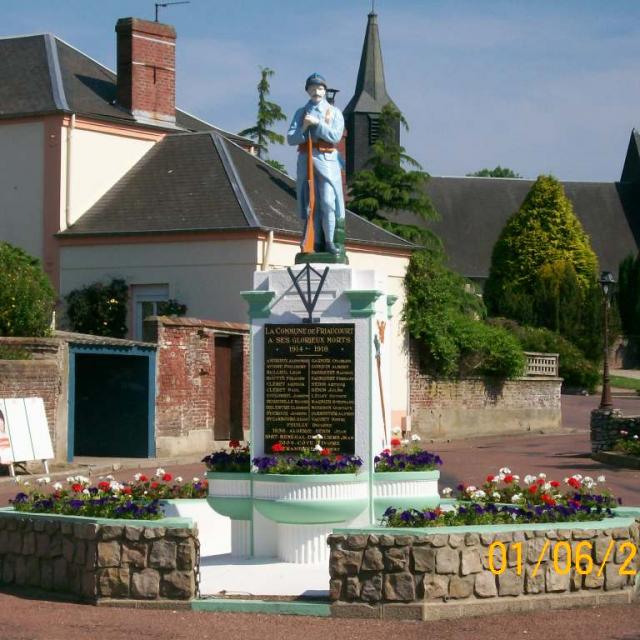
(369, 572)
(93, 561)
(477, 406)
(606, 426)
(186, 381)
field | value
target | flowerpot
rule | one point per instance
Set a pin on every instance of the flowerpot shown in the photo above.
(405, 490)
(230, 496)
(214, 530)
(306, 508)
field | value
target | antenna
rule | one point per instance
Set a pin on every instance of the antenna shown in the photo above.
(166, 4)
(373, 6)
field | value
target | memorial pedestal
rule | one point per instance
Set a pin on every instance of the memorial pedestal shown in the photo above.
(405, 490)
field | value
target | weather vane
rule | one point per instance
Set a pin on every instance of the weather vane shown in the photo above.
(166, 4)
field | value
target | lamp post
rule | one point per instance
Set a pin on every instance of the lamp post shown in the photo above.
(607, 282)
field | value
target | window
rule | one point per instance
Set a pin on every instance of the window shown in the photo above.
(145, 303)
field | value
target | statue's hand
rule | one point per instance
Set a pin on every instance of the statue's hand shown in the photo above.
(309, 121)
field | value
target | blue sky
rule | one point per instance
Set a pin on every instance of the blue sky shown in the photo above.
(539, 86)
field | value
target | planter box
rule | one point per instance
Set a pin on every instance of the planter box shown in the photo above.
(95, 558)
(214, 530)
(230, 496)
(405, 490)
(617, 459)
(306, 508)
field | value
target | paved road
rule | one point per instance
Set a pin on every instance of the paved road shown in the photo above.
(558, 454)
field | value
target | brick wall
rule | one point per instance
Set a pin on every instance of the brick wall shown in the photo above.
(186, 381)
(477, 406)
(606, 426)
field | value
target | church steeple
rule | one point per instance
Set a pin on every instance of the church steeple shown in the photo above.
(363, 110)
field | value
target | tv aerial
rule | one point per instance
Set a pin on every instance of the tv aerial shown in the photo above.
(167, 4)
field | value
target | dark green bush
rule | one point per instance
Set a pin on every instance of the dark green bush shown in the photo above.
(446, 317)
(575, 368)
(8, 352)
(99, 309)
(27, 298)
(628, 295)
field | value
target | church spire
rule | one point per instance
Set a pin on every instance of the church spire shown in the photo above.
(371, 91)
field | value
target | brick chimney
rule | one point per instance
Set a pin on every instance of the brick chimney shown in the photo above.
(147, 69)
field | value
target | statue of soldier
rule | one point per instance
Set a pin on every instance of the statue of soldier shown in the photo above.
(325, 124)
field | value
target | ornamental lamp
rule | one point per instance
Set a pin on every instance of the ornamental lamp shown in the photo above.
(607, 282)
(331, 95)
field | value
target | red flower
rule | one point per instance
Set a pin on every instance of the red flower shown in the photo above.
(555, 484)
(143, 478)
(540, 481)
(154, 485)
(508, 479)
(396, 442)
(104, 486)
(234, 444)
(77, 487)
(325, 452)
(167, 477)
(339, 457)
(127, 491)
(490, 478)
(277, 448)
(533, 488)
(547, 499)
(574, 482)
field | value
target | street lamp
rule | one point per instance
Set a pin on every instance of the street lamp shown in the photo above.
(607, 282)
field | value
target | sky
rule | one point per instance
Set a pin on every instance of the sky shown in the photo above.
(544, 86)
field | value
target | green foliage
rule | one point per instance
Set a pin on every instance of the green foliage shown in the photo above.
(575, 369)
(171, 307)
(276, 164)
(446, 318)
(498, 172)
(99, 309)
(9, 352)
(387, 185)
(628, 295)
(27, 298)
(269, 113)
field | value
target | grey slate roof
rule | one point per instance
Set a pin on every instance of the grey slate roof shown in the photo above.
(202, 181)
(371, 90)
(473, 212)
(42, 74)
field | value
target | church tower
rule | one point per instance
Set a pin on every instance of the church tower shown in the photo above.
(362, 114)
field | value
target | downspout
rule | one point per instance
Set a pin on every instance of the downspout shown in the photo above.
(266, 252)
(67, 208)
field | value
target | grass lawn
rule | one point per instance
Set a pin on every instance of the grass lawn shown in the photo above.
(625, 383)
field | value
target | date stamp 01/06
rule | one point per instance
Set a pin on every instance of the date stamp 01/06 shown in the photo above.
(563, 557)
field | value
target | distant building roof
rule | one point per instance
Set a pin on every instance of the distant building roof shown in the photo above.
(204, 182)
(42, 74)
(473, 212)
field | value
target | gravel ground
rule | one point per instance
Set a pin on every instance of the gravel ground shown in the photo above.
(558, 454)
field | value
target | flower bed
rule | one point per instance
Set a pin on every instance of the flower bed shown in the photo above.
(235, 459)
(405, 456)
(628, 443)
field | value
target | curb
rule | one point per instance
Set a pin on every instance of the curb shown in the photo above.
(617, 459)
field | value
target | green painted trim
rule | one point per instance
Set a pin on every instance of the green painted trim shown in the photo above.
(391, 300)
(184, 500)
(362, 302)
(259, 303)
(310, 511)
(228, 475)
(407, 502)
(309, 478)
(169, 523)
(370, 454)
(624, 518)
(320, 609)
(321, 257)
(399, 476)
(234, 507)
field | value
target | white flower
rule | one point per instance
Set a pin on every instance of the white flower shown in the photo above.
(86, 492)
(516, 477)
(505, 471)
(179, 479)
(496, 495)
(26, 483)
(43, 480)
(145, 493)
(542, 475)
(577, 476)
(529, 479)
(137, 477)
(636, 437)
(415, 438)
(196, 479)
(601, 479)
(516, 498)
(70, 479)
(109, 477)
(57, 486)
(479, 494)
(566, 480)
(447, 491)
(159, 471)
(318, 436)
(547, 486)
(18, 480)
(396, 431)
(318, 447)
(470, 489)
(404, 442)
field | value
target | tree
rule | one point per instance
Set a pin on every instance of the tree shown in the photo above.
(628, 295)
(392, 182)
(543, 270)
(99, 309)
(268, 114)
(498, 172)
(27, 298)
(277, 165)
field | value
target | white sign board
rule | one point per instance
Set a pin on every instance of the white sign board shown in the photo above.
(24, 433)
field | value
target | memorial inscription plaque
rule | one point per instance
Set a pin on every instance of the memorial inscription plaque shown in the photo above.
(309, 386)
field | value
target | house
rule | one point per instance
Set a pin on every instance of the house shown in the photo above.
(473, 211)
(101, 176)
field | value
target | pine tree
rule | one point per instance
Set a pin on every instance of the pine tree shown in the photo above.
(269, 113)
(393, 181)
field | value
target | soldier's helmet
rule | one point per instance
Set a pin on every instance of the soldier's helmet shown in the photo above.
(315, 78)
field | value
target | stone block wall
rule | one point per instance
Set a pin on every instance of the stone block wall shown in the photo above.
(93, 561)
(477, 406)
(606, 426)
(380, 569)
(186, 381)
